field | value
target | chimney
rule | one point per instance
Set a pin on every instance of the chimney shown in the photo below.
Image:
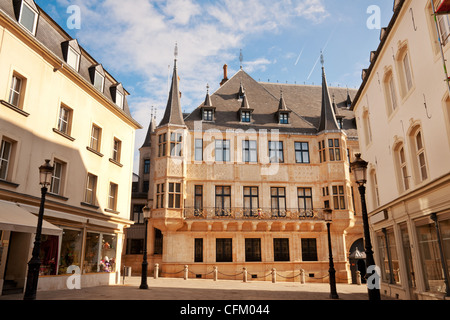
(225, 74)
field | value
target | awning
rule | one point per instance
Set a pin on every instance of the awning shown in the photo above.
(444, 7)
(15, 218)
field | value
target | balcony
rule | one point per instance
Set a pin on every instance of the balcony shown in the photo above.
(253, 214)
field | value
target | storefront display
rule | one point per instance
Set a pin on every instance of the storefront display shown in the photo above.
(48, 255)
(71, 244)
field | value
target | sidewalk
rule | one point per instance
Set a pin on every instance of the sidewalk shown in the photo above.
(199, 289)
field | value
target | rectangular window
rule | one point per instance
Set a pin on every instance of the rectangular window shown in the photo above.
(198, 150)
(117, 147)
(138, 215)
(338, 197)
(5, 159)
(119, 99)
(112, 197)
(96, 135)
(208, 115)
(334, 149)
(99, 81)
(251, 201)
(174, 195)
(91, 189)
(57, 185)
(301, 152)
(145, 186)
(305, 202)
(403, 169)
(284, 118)
(322, 151)
(278, 201)
(162, 141)
(407, 70)
(223, 201)
(146, 166)
(65, 120)
(160, 195)
(276, 152)
(309, 250)
(175, 144)
(224, 250)
(246, 116)
(252, 250)
(223, 150)
(28, 18)
(281, 249)
(198, 254)
(249, 151)
(393, 95)
(16, 91)
(198, 201)
(420, 153)
(73, 58)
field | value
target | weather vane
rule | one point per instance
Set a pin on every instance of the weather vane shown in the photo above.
(322, 60)
(176, 51)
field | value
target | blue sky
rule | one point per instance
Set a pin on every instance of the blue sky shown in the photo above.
(280, 40)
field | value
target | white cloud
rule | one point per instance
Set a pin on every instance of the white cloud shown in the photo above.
(313, 10)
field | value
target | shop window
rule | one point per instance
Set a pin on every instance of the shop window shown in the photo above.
(388, 254)
(91, 258)
(406, 245)
(100, 253)
(71, 244)
(108, 253)
(48, 255)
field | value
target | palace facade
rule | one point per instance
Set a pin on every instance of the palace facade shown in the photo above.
(242, 181)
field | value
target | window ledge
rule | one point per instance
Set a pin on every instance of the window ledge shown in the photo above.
(94, 151)
(112, 211)
(89, 205)
(9, 183)
(115, 162)
(14, 108)
(65, 135)
(57, 196)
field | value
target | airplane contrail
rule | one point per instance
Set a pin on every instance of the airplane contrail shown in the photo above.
(299, 56)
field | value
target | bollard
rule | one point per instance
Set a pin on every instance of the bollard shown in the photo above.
(215, 273)
(274, 275)
(186, 271)
(156, 271)
(245, 274)
(302, 276)
(358, 277)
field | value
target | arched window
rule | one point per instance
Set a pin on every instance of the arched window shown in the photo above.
(390, 92)
(366, 126)
(375, 190)
(405, 70)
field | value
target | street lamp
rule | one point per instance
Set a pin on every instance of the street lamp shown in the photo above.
(45, 179)
(359, 168)
(327, 212)
(146, 213)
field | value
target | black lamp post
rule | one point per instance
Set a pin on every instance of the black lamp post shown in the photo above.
(45, 174)
(359, 168)
(146, 213)
(328, 218)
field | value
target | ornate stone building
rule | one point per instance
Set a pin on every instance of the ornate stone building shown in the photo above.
(242, 181)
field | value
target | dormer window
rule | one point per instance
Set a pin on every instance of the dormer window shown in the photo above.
(72, 53)
(73, 58)
(97, 75)
(119, 99)
(246, 116)
(99, 81)
(28, 17)
(208, 115)
(284, 118)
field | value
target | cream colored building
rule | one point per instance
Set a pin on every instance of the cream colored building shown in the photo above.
(403, 115)
(242, 181)
(58, 103)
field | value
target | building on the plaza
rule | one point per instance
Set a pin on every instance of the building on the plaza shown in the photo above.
(58, 103)
(403, 116)
(242, 181)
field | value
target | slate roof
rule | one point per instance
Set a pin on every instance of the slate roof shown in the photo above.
(304, 101)
(173, 113)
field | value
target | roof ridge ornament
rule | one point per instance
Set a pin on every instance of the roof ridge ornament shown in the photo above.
(241, 58)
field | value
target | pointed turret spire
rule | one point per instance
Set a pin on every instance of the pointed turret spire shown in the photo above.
(328, 117)
(151, 129)
(208, 102)
(173, 114)
(282, 106)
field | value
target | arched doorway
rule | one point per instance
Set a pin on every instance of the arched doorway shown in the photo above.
(357, 259)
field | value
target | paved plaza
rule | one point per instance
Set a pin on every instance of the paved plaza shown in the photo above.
(198, 289)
